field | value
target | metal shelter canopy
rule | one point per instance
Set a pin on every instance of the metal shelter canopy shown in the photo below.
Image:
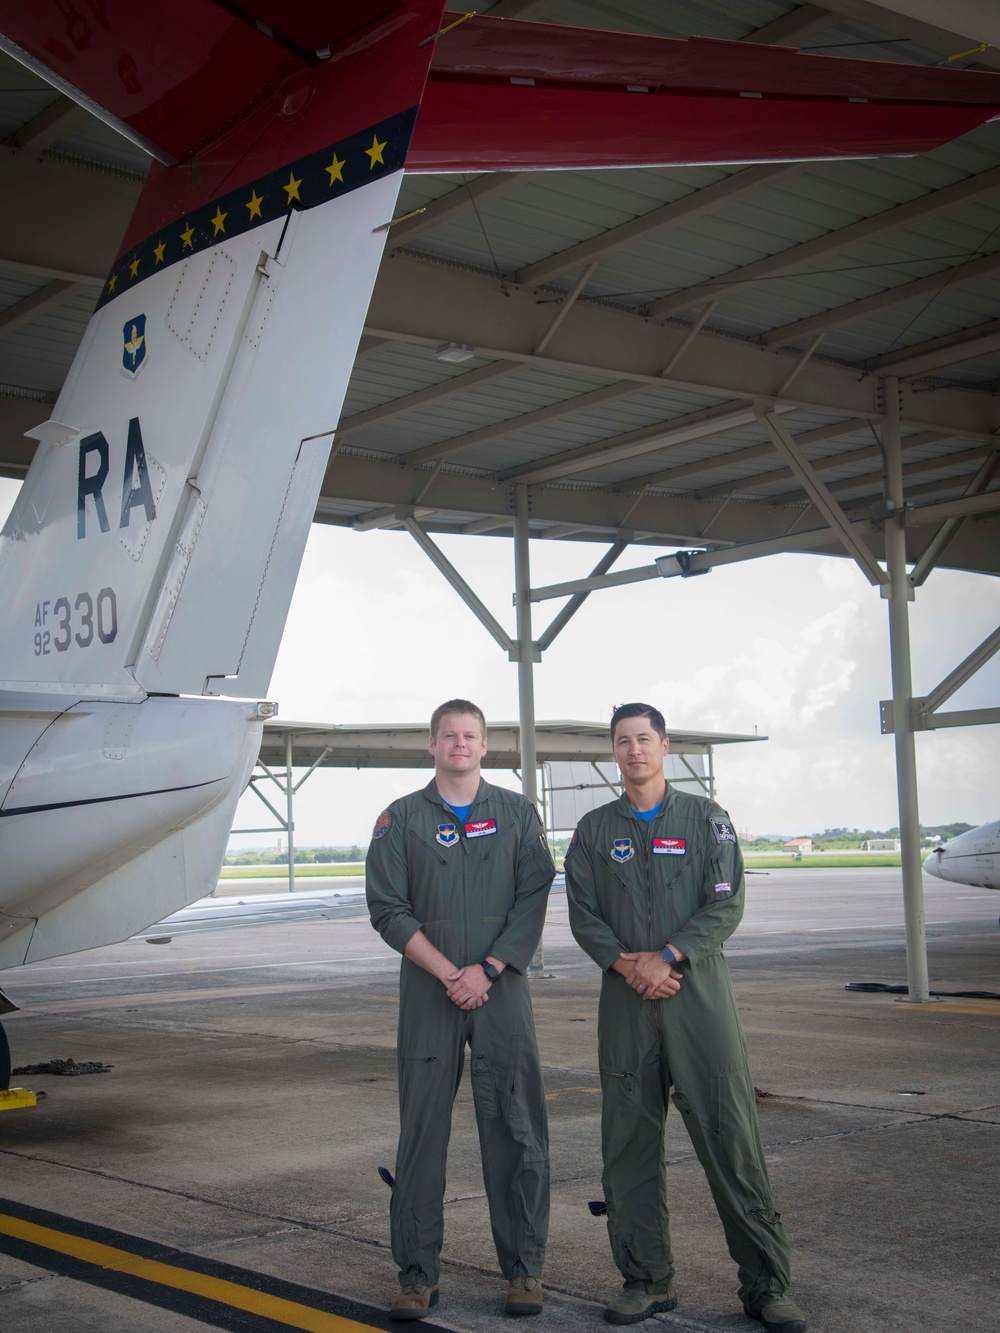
(314, 745)
(728, 361)
(319, 745)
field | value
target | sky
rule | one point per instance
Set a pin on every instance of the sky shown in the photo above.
(793, 646)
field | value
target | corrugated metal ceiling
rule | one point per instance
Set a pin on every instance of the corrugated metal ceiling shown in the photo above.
(541, 215)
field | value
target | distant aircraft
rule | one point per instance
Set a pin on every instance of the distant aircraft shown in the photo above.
(971, 858)
(148, 564)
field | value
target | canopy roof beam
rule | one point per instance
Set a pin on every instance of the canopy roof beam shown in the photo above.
(857, 233)
(822, 499)
(29, 308)
(434, 393)
(693, 426)
(680, 212)
(427, 305)
(50, 124)
(963, 673)
(934, 283)
(667, 476)
(526, 421)
(563, 618)
(917, 469)
(945, 534)
(453, 204)
(471, 600)
(937, 353)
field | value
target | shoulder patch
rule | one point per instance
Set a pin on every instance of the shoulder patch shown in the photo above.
(382, 825)
(723, 830)
(572, 844)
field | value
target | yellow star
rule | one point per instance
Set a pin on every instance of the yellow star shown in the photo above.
(187, 237)
(112, 283)
(336, 170)
(292, 188)
(254, 205)
(159, 251)
(219, 221)
(134, 267)
(375, 152)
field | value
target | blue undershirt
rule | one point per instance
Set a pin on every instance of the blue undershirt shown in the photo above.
(647, 816)
(462, 811)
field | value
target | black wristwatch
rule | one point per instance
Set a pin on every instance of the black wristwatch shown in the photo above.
(491, 972)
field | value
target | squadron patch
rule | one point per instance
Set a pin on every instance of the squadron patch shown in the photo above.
(134, 348)
(382, 825)
(446, 835)
(480, 828)
(622, 850)
(723, 888)
(723, 831)
(669, 846)
(572, 844)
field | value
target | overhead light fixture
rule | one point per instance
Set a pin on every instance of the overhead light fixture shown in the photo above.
(456, 352)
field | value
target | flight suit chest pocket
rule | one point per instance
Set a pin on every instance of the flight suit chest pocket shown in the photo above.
(430, 877)
(424, 855)
(487, 840)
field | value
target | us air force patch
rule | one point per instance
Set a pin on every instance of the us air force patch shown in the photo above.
(446, 835)
(382, 825)
(134, 339)
(722, 830)
(622, 850)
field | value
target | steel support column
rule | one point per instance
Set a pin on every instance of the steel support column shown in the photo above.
(290, 812)
(525, 648)
(900, 592)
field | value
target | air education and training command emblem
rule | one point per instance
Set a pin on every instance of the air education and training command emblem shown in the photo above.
(382, 825)
(134, 344)
(446, 835)
(622, 850)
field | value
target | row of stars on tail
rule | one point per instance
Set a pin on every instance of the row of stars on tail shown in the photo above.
(335, 171)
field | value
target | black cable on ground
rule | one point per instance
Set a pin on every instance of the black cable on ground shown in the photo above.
(882, 988)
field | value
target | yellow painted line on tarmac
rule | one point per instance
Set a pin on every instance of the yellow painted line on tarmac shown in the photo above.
(260, 1303)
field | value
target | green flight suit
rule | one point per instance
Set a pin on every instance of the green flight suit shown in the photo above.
(636, 887)
(474, 889)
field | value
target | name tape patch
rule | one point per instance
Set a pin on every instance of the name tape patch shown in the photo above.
(480, 828)
(669, 846)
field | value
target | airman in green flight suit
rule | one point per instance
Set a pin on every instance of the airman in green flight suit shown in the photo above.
(656, 885)
(457, 878)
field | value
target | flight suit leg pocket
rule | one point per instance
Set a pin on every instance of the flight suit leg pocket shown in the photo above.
(736, 1134)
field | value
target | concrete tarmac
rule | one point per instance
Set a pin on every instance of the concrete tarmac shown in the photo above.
(253, 1096)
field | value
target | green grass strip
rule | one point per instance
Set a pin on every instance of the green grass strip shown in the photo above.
(301, 872)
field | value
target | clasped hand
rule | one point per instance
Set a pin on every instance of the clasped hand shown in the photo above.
(468, 987)
(649, 976)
